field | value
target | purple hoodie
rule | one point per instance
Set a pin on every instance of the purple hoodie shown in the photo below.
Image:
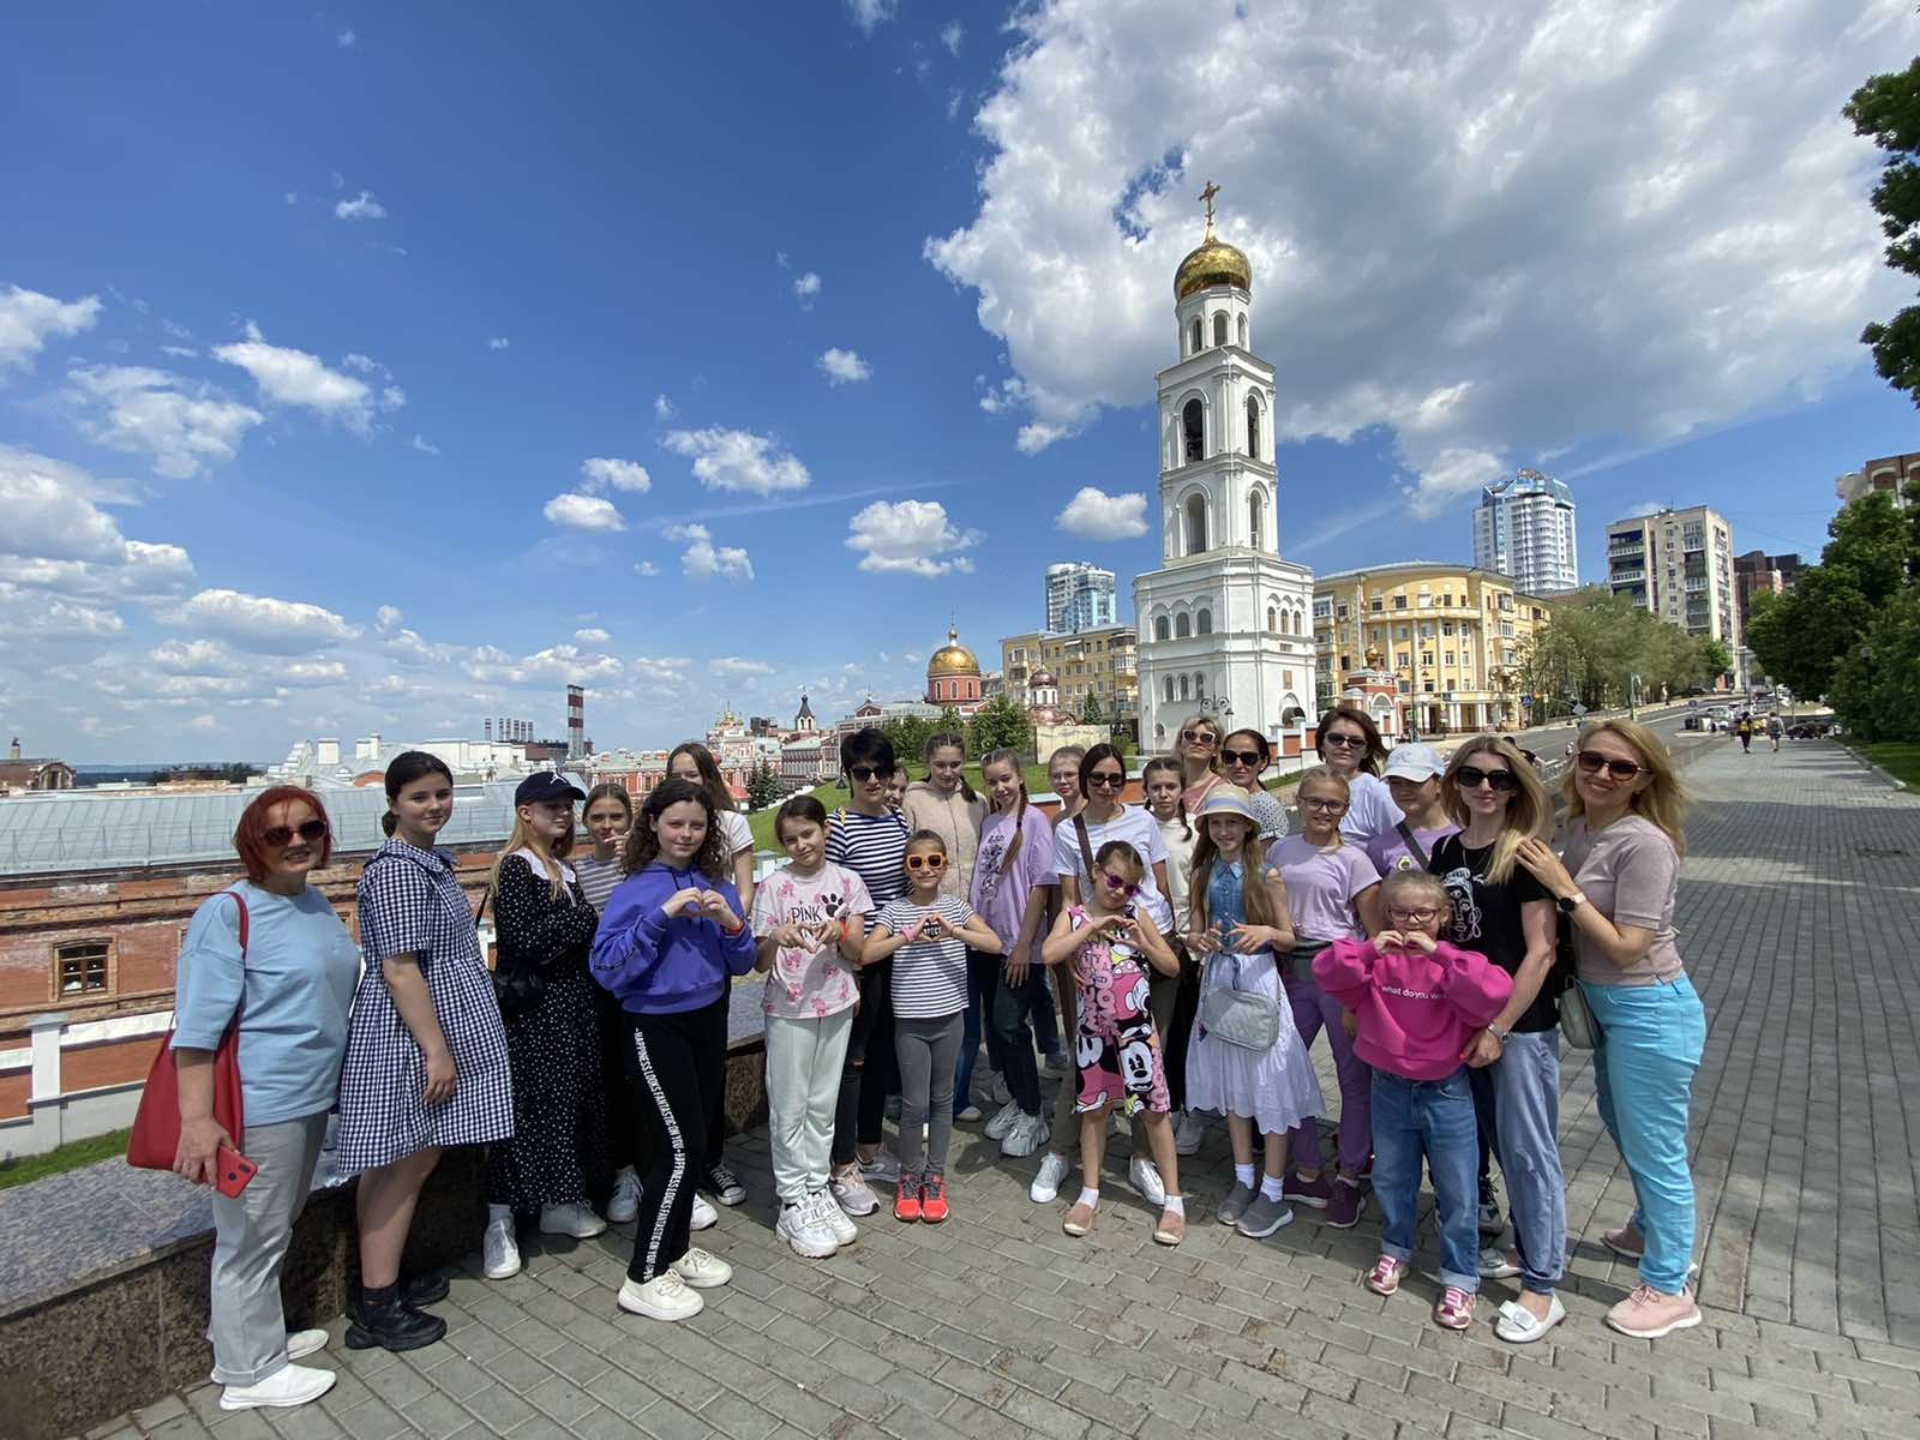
(660, 966)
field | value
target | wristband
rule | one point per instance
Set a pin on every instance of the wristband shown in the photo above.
(735, 930)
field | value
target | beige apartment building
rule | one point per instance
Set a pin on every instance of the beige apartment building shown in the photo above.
(1099, 662)
(1679, 565)
(1432, 647)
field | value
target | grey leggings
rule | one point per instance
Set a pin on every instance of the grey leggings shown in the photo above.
(927, 1051)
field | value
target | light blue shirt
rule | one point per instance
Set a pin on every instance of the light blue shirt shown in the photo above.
(293, 994)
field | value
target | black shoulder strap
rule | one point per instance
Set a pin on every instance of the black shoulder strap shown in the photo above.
(1086, 846)
(1414, 847)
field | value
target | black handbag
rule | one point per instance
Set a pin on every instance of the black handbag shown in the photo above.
(516, 988)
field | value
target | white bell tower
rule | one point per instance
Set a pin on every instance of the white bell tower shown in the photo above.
(1225, 624)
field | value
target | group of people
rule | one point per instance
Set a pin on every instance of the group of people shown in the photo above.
(1172, 961)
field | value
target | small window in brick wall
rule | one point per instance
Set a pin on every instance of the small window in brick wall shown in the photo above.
(82, 967)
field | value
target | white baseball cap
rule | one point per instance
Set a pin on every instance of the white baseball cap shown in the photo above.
(1413, 762)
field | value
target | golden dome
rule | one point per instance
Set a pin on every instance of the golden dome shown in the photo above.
(952, 658)
(1214, 263)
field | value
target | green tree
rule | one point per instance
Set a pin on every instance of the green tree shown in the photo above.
(763, 786)
(1876, 685)
(1886, 110)
(1000, 724)
(909, 734)
(1091, 713)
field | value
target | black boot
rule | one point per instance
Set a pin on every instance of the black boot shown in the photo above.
(379, 1318)
(419, 1290)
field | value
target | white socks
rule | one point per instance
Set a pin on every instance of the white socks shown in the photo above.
(1176, 1205)
(1244, 1174)
(1270, 1187)
(1089, 1198)
(499, 1215)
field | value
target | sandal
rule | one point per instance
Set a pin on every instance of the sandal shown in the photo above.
(1172, 1228)
(1079, 1219)
(1520, 1326)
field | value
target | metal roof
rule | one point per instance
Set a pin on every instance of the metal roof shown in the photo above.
(63, 831)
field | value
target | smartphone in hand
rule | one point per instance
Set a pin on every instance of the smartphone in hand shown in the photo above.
(233, 1172)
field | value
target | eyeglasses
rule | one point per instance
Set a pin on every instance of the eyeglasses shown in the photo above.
(1345, 742)
(1324, 807)
(1593, 762)
(1243, 757)
(1106, 780)
(312, 831)
(1472, 777)
(866, 772)
(926, 862)
(1120, 882)
(1199, 737)
(1413, 917)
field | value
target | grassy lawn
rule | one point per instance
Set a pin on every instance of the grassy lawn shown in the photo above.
(1898, 759)
(25, 1168)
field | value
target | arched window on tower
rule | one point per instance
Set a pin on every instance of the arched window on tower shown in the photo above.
(1253, 428)
(1219, 327)
(1243, 332)
(1185, 693)
(1196, 524)
(1181, 628)
(1161, 630)
(1169, 689)
(1193, 428)
(1203, 622)
(1273, 620)
(1257, 520)
(1298, 622)
(1195, 348)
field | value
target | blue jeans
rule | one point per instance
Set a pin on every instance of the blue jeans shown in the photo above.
(983, 978)
(1521, 1091)
(1014, 1007)
(1430, 1119)
(1651, 1037)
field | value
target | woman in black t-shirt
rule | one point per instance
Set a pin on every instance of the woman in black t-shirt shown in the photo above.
(1500, 910)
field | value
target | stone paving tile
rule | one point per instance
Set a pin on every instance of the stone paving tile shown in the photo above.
(1802, 879)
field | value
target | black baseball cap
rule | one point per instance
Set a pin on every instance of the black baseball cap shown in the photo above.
(546, 788)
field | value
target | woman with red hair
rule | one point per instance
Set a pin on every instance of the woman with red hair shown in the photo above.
(268, 956)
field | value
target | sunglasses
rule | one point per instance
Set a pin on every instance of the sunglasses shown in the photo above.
(1413, 917)
(1324, 807)
(867, 772)
(926, 862)
(1106, 780)
(312, 832)
(1120, 882)
(1345, 742)
(1472, 777)
(1593, 762)
(1199, 737)
(1243, 757)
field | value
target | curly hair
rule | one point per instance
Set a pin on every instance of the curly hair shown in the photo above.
(714, 860)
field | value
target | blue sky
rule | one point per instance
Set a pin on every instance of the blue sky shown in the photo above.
(335, 345)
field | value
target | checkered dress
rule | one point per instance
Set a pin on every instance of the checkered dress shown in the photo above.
(410, 903)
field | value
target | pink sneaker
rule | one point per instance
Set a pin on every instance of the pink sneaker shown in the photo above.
(1454, 1310)
(1343, 1205)
(1627, 1242)
(1647, 1313)
(1384, 1278)
(1312, 1193)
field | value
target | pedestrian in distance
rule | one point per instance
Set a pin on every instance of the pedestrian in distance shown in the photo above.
(1775, 729)
(1417, 1000)
(668, 947)
(1110, 945)
(809, 920)
(926, 934)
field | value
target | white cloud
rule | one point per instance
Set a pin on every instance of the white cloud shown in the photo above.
(559, 664)
(951, 34)
(592, 636)
(29, 319)
(180, 352)
(184, 425)
(844, 367)
(667, 669)
(264, 625)
(806, 287)
(421, 444)
(290, 197)
(346, 39)
(388, 618)
(392, 398)
(910, 537)
(34, 624)
(869, 13)
(1644, 509)
(364, 364)
(362, 207)
(1037, 435)
(663, 408)
(645, 567)
(1095, 515)
(601, 474)
(1542, 221)
(499, 342)
(50, 512)
(734, 665)
(583, 512)
(702, 560)
(738, 460)
(293, 377)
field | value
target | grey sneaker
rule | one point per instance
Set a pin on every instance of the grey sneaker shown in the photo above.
(1265, 1216)
(1236, 1203)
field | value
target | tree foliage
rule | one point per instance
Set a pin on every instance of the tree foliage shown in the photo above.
(1000, 724)
(1598, 642)
(1886, 110)
(763, 786)
(1090, 711)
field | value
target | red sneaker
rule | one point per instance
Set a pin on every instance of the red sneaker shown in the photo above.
(933, 1199)
(906, 1199)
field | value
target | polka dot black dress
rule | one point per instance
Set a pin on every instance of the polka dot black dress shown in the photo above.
(559, 1152)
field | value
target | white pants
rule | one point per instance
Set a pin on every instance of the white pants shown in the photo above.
(247, 1327)
(804, 1061)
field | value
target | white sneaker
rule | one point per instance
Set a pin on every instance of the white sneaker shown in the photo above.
(624, 1206)
(575, 1220)
(289, 1385)
(665, 1297)
(1189, 1132)
(1145, 1176)
(997, 1090)
(968, 1113)
(1002, 1122)
(1028, 1134)
(799, 1225)
(702, 1269)
(500, 1251)
(851, 1193)
(833, 1218)
(705, 1217)
(302, 1343)
(1046, 1184)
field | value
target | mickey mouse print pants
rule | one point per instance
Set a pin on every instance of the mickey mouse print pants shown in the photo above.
(1117, 1050)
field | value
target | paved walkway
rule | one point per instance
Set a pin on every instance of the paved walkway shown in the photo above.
(1802, 893)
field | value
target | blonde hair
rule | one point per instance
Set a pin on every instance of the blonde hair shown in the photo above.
(1402, 881)
(1254, 898)
(1529, 812)
(1663, 801)
(1326, 776)
(522, 839)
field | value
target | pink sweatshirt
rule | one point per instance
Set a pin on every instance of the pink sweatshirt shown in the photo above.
(1415, 1013)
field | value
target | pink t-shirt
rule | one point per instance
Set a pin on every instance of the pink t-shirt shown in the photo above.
(1000, 894)
(803, 984)
(1322, 886)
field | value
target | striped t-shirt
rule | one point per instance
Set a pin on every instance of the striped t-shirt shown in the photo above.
(598, 878)
(874, 847)
(929, 976)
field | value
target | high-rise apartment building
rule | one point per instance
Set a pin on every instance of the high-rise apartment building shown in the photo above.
(1756, 573)
(1079, 597)
(1890, 475)
(1523, 528)
(1679, 565)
